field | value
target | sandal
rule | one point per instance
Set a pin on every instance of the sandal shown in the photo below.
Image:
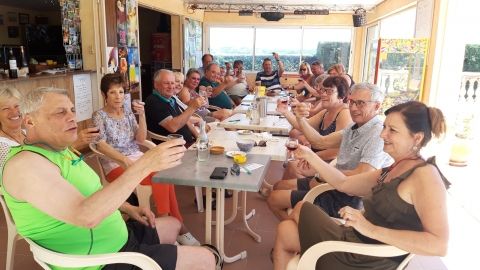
(216, 253)
(264, 192)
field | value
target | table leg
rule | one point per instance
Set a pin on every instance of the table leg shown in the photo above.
(220, 229)
(246, 217)
(208, 216)
(234, 209)
(198, 196)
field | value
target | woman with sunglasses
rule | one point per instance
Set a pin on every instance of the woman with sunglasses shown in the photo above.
(305, 82)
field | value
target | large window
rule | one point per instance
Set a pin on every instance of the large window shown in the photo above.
(294, 45)
(329, 45)
(400, 25)
(229, 44)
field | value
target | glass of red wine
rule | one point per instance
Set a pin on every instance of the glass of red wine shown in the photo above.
(291, 145)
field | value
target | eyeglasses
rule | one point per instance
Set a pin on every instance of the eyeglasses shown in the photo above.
(235, 169)
(359, 103)
(327, 91)
(195, 78)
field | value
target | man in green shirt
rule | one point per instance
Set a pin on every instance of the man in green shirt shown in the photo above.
(59, 203)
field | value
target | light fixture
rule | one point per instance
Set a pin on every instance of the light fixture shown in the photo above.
(359, 17)
(272, 16)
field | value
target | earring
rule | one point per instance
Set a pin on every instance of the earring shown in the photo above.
(415, 148)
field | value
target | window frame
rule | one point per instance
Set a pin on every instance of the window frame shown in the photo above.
(207, 47)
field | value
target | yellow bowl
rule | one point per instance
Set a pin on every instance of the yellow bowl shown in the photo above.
(239, 158)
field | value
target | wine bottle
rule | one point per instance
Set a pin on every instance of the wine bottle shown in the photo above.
(23, 70)
(12, 66)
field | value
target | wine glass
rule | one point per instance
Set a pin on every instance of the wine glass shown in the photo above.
(292, 145)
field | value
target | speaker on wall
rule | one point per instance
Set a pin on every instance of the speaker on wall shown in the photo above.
(272, 16)
(359, 17)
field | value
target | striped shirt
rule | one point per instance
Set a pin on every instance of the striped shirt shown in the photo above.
(271, 82)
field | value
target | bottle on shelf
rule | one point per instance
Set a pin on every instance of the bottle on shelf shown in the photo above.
(12, 65)
(203, 151)
(23, 70)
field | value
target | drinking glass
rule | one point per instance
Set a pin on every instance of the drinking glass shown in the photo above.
(292, 145)
(174, 136)
(136, 101)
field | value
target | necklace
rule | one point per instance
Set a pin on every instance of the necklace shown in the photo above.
(384, 174)
(10, 136)
(70, 149)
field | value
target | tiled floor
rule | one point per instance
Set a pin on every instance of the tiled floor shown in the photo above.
(463, 215)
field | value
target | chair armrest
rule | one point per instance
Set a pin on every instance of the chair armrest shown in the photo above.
(310, 257)
(43, 256)
(314, 192)
(155, 136)
(94, 149)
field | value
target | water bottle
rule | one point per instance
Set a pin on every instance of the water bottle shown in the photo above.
(203, 151)
(254, 116)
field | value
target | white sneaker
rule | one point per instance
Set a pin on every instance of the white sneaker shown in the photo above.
(187, 239)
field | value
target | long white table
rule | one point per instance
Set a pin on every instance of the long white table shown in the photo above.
(194, 173)
(271, 123)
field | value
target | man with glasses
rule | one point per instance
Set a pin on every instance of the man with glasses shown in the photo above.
(360, 150)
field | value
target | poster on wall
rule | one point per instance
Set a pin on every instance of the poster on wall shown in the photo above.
(401, 69)
(123, 66)
(112, 59)
(131, 13)
(82, 89)
(121, 23)
(71, 33)
(193, 44)
(133, 58)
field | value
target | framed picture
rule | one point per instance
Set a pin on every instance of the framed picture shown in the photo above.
(12, 31)
(11, 18)
(23, 18)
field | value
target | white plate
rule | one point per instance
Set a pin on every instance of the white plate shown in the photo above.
(244, 132)
(233, 153)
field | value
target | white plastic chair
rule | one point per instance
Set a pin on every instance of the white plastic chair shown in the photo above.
(13, 235)
(143, 192)
(198, 190)
(45, 257)
(309, 259)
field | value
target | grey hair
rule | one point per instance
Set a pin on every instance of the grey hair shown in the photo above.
(375, 92)
(32, 101)
(320, 79)
(209, 66)
(9, 92)
(159, 72)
